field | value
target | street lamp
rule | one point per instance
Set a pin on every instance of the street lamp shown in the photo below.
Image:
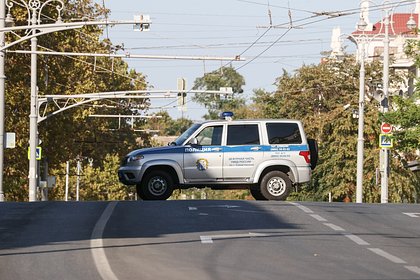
(411, 23)
(360, 42)
(34, 8)
(361, 120)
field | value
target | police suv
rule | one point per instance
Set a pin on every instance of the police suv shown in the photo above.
(268, 157)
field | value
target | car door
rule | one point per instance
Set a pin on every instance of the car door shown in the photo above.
(243, 152)
(203, 160)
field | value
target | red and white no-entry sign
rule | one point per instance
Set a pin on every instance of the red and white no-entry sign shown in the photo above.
(386, 128)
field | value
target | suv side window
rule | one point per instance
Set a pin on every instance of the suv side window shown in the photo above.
(283, 133)
(210, 136)
(247, 134)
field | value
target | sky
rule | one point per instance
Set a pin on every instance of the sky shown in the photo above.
(227, 28)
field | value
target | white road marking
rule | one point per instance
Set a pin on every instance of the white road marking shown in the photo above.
(414, 269)
(245, 211)
(356, 239)
(192, 208)
(303, 208)
(387, 255)
(318, 218)
(334, 227)
(413, 215)
(97, 246)
(359, 241)
(207, 239)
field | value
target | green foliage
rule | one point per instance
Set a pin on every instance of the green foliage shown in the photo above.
(166, 125)
(72, 132)
(317, 94)
(223, 77)
(207, 193)
(405, 117)
(96, 183)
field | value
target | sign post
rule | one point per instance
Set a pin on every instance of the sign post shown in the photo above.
(385, 143)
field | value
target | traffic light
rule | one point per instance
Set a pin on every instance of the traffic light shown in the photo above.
(182, 99)
(182, 95)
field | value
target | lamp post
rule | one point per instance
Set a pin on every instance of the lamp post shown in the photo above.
(2, 91)
(361, 46)
(34, 8)
(361, 124)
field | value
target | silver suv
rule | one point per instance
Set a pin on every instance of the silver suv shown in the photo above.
(268, 157)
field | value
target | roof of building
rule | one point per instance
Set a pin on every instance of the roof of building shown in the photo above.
(398, 26)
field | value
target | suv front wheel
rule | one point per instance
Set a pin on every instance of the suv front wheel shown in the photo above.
(275, 185)
(157, 185)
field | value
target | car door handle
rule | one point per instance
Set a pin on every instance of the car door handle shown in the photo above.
(256, 148)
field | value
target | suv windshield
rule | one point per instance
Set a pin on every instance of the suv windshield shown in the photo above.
(184, 136)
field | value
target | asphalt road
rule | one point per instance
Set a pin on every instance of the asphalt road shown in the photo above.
(208, 240)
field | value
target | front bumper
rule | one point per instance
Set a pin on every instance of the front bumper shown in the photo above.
(129, 176)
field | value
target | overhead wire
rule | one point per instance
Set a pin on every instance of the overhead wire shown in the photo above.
(71, 57)
(287, 31)
(301, 23)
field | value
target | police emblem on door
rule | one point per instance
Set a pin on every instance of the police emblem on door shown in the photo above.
(202, 164)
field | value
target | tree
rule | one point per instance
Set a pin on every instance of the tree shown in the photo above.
(72, 133)
(319, 95)
(405, 115)
(223, 77)
(96, 183)
(166, 125)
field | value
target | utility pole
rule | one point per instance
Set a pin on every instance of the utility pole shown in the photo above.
(33, 117)
(384, 151)
(2, 93)
(361, 124)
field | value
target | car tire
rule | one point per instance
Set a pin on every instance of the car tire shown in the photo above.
(157, 185)
(275, 185)
(256, 194)
(140, 193)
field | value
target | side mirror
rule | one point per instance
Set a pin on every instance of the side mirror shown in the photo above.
(193, 141)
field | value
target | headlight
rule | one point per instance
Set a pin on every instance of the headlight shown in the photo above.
(135, 158)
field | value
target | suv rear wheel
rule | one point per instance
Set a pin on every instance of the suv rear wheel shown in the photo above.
(256, 194)
(275, 185)
(157, 185)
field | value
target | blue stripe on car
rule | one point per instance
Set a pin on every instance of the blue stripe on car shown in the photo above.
(226, 149)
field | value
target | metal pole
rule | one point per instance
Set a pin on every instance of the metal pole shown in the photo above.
(44, 190)
(78, 178)
(33, 117)
(385, 153)
(2, 95)
(360, 138)
(66, 198)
